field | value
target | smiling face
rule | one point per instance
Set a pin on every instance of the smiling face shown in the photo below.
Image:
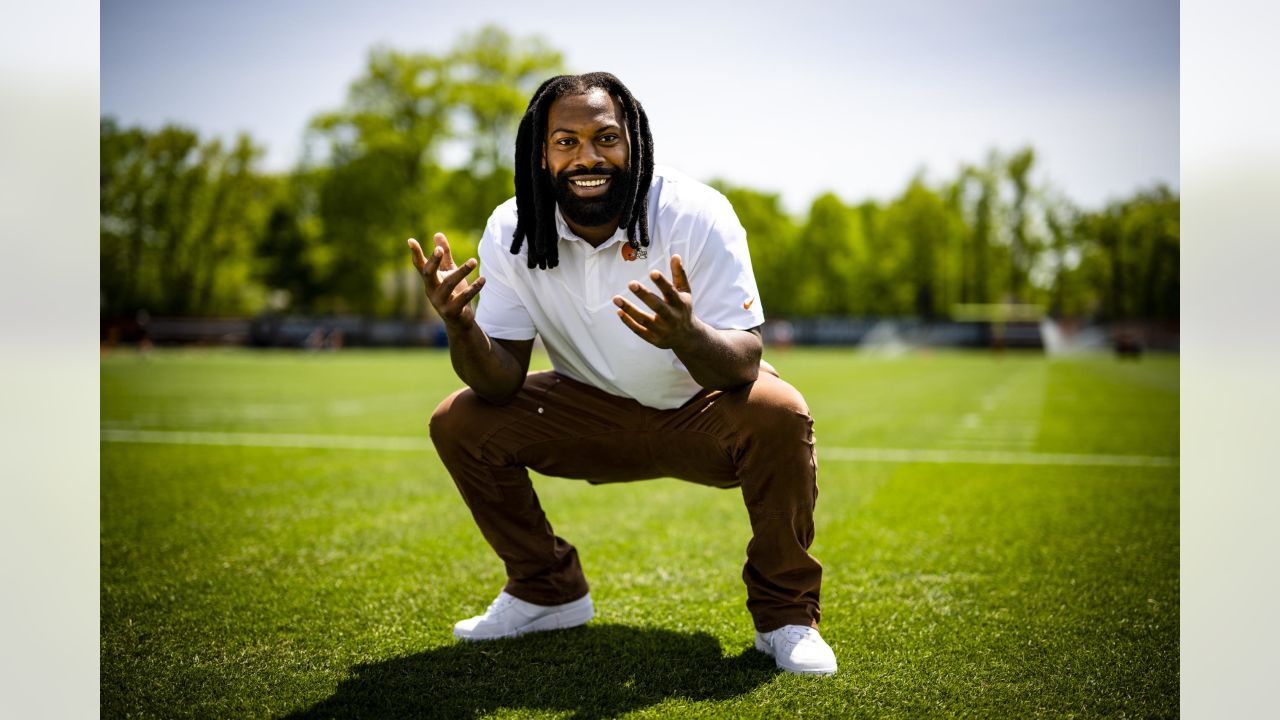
(586, 154)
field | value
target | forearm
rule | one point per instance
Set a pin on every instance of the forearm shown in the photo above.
(484, 365)
(721, 359)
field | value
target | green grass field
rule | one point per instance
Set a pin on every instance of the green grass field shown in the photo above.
(1000, 538)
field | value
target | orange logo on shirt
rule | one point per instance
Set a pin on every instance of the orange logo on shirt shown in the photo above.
(747, 305)
(630, 253)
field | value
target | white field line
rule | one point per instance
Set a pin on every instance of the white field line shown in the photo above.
(281, 440)
(989, 457)
(838, 454)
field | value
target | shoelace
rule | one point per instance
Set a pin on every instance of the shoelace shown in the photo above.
(500, 602)
(800, 635)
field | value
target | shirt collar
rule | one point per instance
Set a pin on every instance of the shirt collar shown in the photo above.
(567, 233)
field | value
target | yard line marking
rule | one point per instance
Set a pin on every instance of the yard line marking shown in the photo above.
(990, 457)
(838, 454)
(288, 440)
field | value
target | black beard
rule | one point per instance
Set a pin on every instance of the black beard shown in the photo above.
(597, 211)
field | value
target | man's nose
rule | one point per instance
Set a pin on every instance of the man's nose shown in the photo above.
(588, 156)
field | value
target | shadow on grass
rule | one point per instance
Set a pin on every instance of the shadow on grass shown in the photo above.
(595, 671)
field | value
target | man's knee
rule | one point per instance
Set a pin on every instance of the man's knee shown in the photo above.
(454, 418)
(773, 406)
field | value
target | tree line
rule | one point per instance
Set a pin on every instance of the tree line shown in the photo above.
(190, 226)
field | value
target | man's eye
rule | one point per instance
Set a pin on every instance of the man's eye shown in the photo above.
(565, 141)
(609, 138)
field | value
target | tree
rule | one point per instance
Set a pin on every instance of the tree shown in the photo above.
(981, 196)
(286, 260)
(926, 235)
(1021, 251)
(380, 147)
(1064, 298)
(386, 182)
(178, 216)
(123, 213)
(1131, 256)
(835, 253)
(493, 75)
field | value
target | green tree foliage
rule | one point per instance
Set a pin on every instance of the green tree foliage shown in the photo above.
(179, 219)
(925, 237)
(1067, 297)
(1021, 248)
(1130, 257)
(287, 259)
(834, 246)
(988, 236)
(979, 281)
(382, 152)
(492, 75)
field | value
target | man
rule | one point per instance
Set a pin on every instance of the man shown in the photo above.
(669, 387)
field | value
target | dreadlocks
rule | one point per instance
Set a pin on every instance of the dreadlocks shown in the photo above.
(535, 196)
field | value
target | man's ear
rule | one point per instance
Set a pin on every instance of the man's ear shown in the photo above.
(544, 156)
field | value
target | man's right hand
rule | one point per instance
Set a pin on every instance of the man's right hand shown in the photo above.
(495, 369)
(447, 288)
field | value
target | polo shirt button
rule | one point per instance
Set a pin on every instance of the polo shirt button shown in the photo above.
(539, 411)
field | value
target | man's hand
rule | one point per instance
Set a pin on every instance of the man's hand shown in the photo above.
(717, 359)
(673, 324)
(495, 369)
(447, 288)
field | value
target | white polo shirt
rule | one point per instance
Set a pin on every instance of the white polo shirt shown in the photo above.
(571, 305)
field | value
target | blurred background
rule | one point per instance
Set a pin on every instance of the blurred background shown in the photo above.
(988, 174)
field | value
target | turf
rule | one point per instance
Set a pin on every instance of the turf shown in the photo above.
(265, 582)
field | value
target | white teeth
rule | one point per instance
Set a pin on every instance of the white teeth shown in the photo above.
(589, 183)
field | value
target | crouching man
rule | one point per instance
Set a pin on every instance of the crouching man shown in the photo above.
(638, 281)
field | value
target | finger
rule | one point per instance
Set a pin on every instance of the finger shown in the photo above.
(635, 313)
(443, 244)
(426, 265)
(430, 267)
(465, 296)
(677, 274)
(670, 293)
(419, 257)
(448, 282)
(653, 301)
(637, 328)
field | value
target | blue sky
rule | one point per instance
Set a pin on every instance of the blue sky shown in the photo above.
(796, 97)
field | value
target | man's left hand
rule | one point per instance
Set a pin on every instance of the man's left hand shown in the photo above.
(672, 324)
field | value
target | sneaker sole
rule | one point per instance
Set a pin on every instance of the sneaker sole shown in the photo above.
(570, 617)
(765, 648)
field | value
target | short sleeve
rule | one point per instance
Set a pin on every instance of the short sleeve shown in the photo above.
(720, 278)
(500, 313)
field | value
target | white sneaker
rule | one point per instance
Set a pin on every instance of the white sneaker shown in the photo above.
(798, 649)
(509, 616)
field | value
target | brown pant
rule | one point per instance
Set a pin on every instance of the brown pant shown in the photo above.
(758, 437)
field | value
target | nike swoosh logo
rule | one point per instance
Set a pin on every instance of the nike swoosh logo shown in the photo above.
(747, 305)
